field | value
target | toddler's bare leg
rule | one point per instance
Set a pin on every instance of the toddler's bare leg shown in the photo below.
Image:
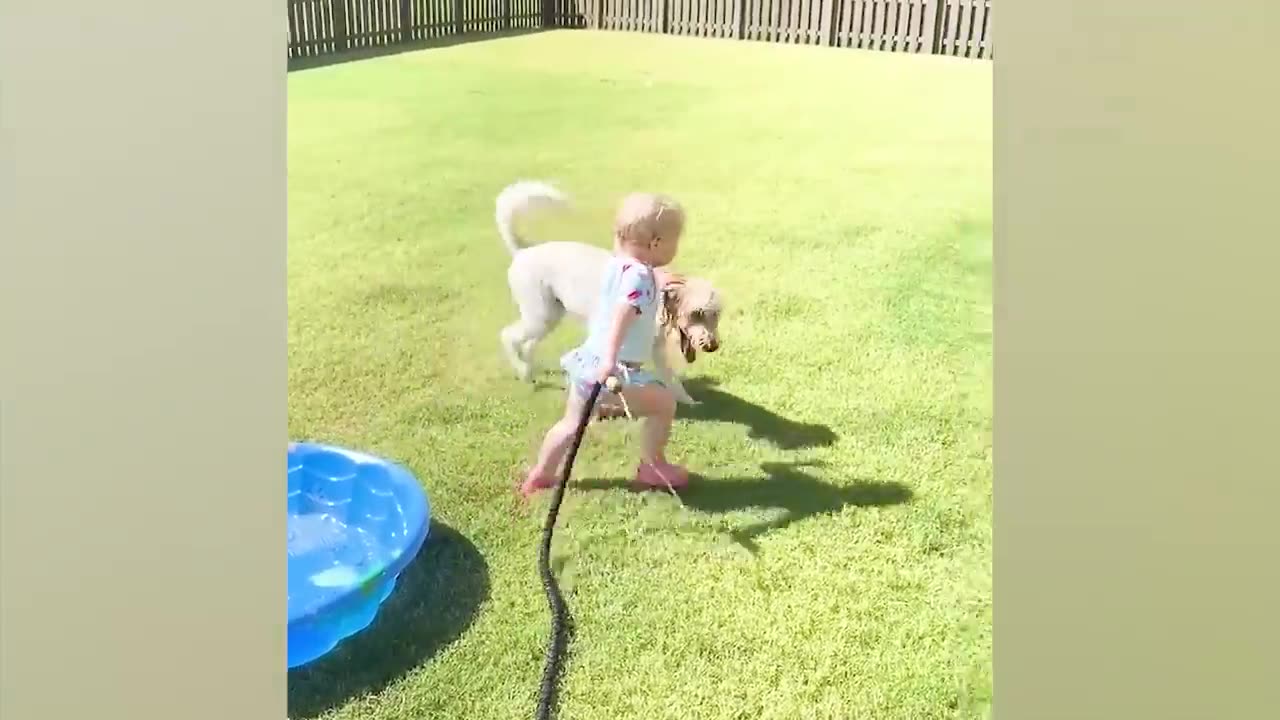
(556, 442)
(657, 405)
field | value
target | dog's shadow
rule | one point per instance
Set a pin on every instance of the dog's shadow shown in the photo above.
(435, 601)
(761, 422)
(783, 486)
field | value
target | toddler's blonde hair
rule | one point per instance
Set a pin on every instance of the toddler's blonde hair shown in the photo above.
(645, 217)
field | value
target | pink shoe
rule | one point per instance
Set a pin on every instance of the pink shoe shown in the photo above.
(534, 483)
(657, 476)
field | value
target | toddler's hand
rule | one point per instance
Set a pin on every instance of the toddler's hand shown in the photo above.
(604, 373)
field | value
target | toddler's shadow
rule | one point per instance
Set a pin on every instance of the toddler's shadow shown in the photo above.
(719, 406)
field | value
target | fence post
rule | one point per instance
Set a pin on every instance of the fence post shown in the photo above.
(340, 39)
(457, 17)
(506, 14)
(934, 29)
(829, 22)
(664, 17)
(742, 20)
(406, 23)
(597, 22)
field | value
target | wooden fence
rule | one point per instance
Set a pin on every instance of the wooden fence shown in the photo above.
(946, 27)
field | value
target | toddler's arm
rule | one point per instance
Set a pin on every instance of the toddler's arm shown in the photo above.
(634, 292)
(623, 316)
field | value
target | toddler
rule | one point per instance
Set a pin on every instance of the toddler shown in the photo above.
(619, 344)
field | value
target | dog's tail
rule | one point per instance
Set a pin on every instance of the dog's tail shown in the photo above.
(519, 198)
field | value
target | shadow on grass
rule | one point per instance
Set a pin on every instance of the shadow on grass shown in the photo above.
(761, 422)
(367, 53)
(435, 601)
(785, 486)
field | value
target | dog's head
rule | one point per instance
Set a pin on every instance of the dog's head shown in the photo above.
(691, 311)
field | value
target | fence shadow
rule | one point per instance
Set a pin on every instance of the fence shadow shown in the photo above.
(312, 62)
(785, 486)
(435, 601)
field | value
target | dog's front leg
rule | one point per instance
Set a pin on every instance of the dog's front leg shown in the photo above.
(667, 376)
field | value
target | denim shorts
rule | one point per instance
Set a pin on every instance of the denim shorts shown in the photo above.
(582, 368)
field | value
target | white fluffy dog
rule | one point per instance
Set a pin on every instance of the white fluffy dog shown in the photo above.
(554, 278)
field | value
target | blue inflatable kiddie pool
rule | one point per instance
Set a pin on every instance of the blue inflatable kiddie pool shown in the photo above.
(355, 522)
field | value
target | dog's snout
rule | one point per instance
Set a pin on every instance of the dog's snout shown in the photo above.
(710, 346)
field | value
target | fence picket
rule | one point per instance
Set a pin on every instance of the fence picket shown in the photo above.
(914, 31)
(899, 23)
(304, 28)
(979, 34)
(895, 24)
(908, 19)
(863, 26)
(951, 38)
(919, 38)
(988, 37)
(843, 21)
(966, 23)
(881, 36)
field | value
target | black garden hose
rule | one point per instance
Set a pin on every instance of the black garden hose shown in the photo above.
(560, 620)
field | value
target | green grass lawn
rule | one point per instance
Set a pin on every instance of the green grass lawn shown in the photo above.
(833, 559)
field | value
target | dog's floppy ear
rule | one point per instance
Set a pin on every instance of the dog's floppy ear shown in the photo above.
(672, 284)
(686, 348)
(669, 312)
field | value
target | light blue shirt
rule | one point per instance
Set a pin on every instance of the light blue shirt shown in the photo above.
(626, 281)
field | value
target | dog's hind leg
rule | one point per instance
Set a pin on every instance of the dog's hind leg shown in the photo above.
(527, 347)
(519, 339)
(512, 337)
